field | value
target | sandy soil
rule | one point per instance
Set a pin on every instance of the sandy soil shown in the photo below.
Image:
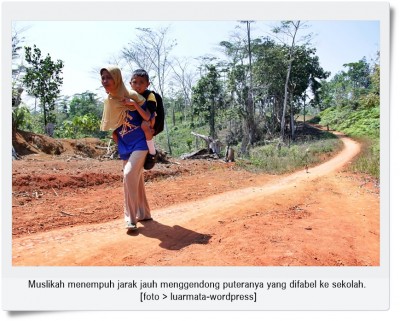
(67, 211)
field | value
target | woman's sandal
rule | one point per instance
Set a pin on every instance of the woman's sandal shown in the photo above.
(131, 227)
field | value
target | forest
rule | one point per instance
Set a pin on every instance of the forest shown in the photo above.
(259, 99)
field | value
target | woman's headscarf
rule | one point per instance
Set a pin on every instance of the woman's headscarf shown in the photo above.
(114, 110)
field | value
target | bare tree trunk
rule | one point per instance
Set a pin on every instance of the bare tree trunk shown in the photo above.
(167, 135)
(229, 154)
(304, 112)
(249, 126)
(292, 125)
(290, 60)
(283, 119)
(212, 120)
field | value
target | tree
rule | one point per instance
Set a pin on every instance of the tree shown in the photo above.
(372, 99)
(306, 74)
(16, 41)
(43, 80)
(240, 75)
(269, 77)
(351, 100)
(184, 78)
(249, 126)
(289, 29)
(81, 126)
(151, 51)
(207, 97)
(359, 77)
(85, 103)
(347, 87)
(17, 69)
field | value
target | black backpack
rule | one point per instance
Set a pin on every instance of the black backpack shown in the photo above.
(159, 123)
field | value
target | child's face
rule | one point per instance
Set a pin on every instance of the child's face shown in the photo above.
(107, 81)
(139, 84)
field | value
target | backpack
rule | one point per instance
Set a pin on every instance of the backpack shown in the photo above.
(159, 121)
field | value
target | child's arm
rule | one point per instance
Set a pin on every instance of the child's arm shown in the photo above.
(115, 137)
(144, 113)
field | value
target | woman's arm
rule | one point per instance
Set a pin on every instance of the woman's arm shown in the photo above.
(144, 113)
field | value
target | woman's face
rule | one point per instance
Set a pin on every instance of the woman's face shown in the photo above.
(107, 81)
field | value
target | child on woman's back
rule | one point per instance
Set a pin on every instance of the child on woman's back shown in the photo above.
(140, 83)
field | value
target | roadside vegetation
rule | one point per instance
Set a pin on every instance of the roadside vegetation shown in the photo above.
(279, 159)
(353, 107)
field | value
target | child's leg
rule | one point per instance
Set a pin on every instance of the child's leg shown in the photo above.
(148, 132)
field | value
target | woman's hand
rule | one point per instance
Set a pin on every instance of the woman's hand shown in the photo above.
(128, 102)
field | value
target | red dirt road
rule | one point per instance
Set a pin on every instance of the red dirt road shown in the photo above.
(206, 213)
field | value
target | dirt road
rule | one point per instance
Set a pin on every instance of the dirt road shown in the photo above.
(221, 217)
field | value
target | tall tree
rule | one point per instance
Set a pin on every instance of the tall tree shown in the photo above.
(17, 69)
(184, 79)
(207, 98)
(249, 126)
(346, 87)
(240, 83)
(43, 80)
(16, 45)
(289, 30)
(269, 78)
(151, 51)
(359, 76)
(306, 75)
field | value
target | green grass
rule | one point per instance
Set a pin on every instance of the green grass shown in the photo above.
(278, 160)
(368, 162)
(181, 139)
(364, 126)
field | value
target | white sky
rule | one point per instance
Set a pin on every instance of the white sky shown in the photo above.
(85, 46)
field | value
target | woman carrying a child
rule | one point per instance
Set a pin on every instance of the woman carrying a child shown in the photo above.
(124, 111)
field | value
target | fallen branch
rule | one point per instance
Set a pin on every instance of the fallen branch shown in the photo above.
(111, 152)
(213, 145)
(196, 154)
(54, 191)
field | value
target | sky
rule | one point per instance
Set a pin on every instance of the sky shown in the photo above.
(86, 46)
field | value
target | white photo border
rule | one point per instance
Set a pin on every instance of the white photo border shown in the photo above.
(14, 279)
